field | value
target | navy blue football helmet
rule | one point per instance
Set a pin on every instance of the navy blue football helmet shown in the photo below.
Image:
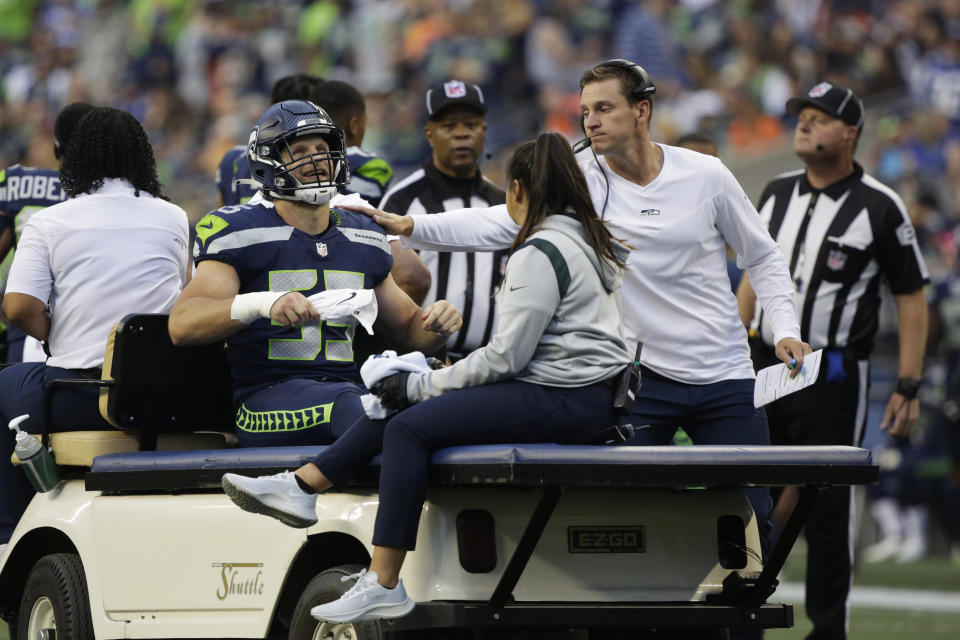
(271, 161)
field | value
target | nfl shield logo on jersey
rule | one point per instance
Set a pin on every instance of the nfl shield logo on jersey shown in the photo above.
(322, 249)
(455, 89)
(836, 259)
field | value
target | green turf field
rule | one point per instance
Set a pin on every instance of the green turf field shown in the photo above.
(931, 574)
(883, 624)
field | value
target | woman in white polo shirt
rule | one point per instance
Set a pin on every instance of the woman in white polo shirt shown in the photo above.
(115, 247)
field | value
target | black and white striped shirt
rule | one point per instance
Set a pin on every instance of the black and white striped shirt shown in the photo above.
(467, 280)
(841, 243)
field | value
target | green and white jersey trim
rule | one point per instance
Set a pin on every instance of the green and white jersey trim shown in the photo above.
(249, 237)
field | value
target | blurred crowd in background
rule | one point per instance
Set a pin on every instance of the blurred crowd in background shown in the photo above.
(197, 74)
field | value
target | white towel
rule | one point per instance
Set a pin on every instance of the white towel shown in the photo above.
(379, 366)
(344, 305)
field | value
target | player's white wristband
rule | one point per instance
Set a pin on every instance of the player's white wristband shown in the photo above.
(248, 307)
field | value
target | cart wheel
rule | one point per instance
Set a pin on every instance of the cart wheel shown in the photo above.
(54, 602)
(326, 586)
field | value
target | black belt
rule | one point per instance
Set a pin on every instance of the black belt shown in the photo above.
(94, 373)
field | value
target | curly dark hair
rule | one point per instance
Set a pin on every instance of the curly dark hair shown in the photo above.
(109, 143)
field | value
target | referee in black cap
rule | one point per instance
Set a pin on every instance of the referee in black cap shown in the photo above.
(451, 179)
(843, 234)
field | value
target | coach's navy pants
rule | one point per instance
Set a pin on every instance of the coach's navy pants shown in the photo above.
(717, 413)
(21, 391)
(507, 412)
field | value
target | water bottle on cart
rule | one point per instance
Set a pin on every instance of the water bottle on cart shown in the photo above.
(35, 459)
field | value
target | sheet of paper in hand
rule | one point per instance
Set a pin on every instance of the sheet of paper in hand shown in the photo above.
(775, 382)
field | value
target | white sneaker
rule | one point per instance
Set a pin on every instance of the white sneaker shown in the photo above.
(366, 600)
(912, 550)
(278, 496)
(883, 550)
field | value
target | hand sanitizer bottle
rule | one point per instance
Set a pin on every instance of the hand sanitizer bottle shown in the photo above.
(35, 460)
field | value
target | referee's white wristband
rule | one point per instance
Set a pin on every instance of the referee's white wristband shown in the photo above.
(248, 307)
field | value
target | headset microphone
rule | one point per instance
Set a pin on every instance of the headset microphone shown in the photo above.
(819, 147)
(643, 89)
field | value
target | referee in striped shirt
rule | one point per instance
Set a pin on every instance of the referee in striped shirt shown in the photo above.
(843, 234)
(451, 179)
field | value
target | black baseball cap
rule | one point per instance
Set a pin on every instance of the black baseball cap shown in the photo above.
(833, 100)
(454, 93)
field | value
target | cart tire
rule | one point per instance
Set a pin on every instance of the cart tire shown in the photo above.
(55, 599)
(327, 586)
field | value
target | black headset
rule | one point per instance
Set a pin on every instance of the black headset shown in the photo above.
(643, 89)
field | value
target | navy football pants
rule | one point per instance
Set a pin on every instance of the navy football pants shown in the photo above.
(299, 411)
(506, 412)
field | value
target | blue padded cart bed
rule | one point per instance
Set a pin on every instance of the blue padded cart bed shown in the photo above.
(552, 468)
(515, 464)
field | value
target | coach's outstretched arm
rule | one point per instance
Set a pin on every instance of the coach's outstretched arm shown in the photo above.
(477, 229)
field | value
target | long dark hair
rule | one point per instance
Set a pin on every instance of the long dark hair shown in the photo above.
(548, 171)
(108, 143)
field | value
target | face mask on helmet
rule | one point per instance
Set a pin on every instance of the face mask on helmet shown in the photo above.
(286, 158)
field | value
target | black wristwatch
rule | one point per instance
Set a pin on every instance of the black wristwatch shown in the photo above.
(908, 387)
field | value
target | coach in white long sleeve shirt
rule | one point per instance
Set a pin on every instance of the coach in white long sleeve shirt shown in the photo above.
(674, 208)
(677, 298)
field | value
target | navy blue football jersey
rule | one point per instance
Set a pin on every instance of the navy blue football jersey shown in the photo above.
(270, 255)
(370, 175)
(24, 191)
(234, 166)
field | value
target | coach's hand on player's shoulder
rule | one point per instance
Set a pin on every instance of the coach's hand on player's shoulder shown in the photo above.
(441, 317)
(391, 222)
(791, 352)
(293, 310)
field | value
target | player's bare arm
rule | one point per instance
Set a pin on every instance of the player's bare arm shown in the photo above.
(409, 272)
(209, 308)
(6, 242)
(420, 329)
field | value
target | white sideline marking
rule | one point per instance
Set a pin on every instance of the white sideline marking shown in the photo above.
(882, 598)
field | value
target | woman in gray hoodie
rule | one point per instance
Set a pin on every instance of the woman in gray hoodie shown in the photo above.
(546, 376)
